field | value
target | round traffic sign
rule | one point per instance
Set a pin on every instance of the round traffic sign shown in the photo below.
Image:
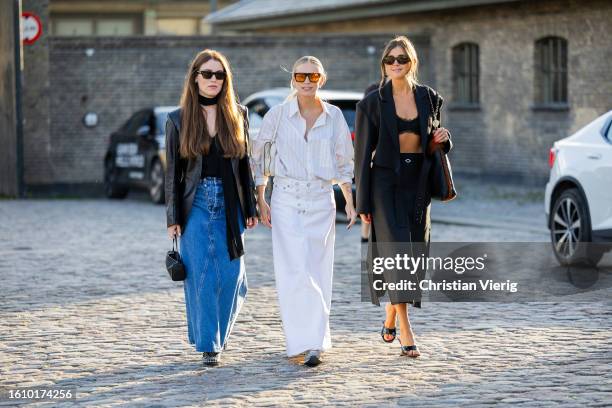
(31, 27)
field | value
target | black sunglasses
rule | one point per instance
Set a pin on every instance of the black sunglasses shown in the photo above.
(207, 74)
(401, 59)
(312, 76)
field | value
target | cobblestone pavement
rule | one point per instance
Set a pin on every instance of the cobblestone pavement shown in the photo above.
(493, 204)
(86, 303)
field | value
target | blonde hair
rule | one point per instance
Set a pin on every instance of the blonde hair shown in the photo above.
(303, 60)
(404, 43)
(195, 138)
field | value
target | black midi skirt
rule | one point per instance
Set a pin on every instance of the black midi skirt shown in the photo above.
(395, 231)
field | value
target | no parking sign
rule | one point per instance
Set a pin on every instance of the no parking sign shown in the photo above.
(31, 27)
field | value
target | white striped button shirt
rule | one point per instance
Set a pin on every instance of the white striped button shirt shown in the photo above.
(325, 154)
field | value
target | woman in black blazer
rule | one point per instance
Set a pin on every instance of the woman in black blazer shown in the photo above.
(393, 126)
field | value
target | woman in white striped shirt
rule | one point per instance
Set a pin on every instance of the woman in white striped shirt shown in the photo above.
(313, 151)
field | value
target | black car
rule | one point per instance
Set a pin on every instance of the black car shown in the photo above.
(135, 157)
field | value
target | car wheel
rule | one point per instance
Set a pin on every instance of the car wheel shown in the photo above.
(156, 188)
(111, 188)
(570, 230)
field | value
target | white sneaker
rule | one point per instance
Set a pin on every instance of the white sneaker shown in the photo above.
(312, 358)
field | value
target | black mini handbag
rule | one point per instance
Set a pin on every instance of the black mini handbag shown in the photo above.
(174, 264)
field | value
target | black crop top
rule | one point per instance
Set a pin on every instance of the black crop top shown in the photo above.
(211, 163)
(412, 125)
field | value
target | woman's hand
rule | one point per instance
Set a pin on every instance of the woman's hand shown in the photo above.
(251, 222)
(264, 212)
(174, 231)
(351, 215)
(440, 135)
(367, 218)
(264, 208)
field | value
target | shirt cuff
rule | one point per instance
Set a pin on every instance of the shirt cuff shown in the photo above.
(261, 181)
(340, 181)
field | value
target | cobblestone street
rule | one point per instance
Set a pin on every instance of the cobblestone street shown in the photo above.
(87, 303)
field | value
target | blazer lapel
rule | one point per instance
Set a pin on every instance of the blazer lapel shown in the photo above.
(198, 167)
(424, 110)
(234, 161)
(388, 115)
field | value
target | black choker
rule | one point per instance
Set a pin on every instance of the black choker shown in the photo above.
(207, 101)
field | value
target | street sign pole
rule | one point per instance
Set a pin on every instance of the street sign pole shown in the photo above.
(18, 99)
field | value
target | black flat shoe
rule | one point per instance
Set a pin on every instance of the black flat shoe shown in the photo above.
(389, 332)
(210, 359)
(312, 358)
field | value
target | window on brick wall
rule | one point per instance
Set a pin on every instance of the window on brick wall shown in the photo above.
(92, 25)
(115, 27)
(466, 73)
(551, 71)
(178, 26)
(73, 26)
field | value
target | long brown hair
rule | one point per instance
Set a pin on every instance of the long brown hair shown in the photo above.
(404, 43)
(195, 138)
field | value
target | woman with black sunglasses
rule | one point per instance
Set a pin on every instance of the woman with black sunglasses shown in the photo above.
(392, 130)
(209, 199)
(313, 151)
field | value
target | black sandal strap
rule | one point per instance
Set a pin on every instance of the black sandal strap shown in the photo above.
(388, 332)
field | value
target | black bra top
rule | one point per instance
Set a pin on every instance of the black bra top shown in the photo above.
(412, 125)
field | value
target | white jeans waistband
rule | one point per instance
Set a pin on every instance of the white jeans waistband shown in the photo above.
(316, 185)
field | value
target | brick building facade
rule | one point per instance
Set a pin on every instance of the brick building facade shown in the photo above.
(508, 132)
(115, 77)
(505, 133)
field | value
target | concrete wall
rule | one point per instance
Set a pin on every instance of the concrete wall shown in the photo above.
(9, 67)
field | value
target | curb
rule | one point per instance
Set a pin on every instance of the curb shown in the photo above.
(471, 222)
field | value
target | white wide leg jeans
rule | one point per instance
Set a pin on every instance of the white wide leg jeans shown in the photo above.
(303, 217)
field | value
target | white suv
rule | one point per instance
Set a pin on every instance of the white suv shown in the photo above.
(578, 198)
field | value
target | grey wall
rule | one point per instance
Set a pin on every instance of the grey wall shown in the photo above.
(126, 74)
(38, 142)
(508, 136)
(9, 156)
(505, 137)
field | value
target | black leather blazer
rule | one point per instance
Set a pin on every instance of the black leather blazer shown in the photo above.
(377, 139)
(183, 175)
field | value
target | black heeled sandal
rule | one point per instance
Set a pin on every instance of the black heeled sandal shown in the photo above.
(407, 349)
(389, 332)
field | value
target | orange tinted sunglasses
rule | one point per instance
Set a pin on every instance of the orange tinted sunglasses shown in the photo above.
(312, 76)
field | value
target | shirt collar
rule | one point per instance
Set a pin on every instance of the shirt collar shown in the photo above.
(294, 109)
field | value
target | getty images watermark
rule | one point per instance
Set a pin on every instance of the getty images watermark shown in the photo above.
(406, 264)
(479, 271)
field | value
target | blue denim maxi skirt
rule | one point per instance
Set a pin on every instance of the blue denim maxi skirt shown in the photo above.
(215, 287)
